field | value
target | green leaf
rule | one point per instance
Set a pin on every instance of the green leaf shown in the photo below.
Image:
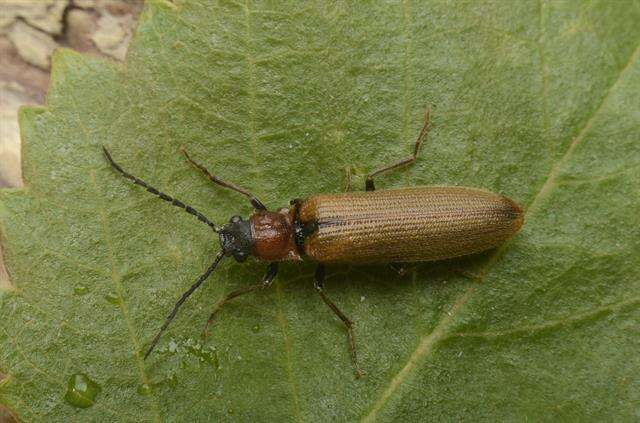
(535, 100)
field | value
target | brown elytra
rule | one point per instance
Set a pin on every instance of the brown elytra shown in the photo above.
(407, 224)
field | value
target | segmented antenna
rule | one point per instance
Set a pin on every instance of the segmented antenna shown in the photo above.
(160, 194)
(182, 299)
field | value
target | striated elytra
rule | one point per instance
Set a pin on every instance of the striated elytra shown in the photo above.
(407, 224)
(386, 226)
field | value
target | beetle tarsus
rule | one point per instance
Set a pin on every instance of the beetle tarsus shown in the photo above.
(467, 274)
(319, 284)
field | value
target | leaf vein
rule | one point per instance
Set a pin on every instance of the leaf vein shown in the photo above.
(114, 272)
(567, 320)
(550, 182)
(426, 344)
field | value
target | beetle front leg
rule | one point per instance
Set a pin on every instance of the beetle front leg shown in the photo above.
(272, 270)
(257, 204)
(319, 282)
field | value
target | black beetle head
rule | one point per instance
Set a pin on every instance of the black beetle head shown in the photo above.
(235, 238)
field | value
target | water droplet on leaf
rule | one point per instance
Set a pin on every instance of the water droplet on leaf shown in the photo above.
(113, 298)
(144, 389)
(207, 355)
(80, 290)
(81, 391)
(173, 346)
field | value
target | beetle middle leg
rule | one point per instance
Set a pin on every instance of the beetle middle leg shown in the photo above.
(257, 204)
(347, 184)
(369, 184)
(319, 282)
(272, 270)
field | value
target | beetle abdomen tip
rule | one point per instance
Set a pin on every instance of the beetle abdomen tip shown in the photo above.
(517, 213)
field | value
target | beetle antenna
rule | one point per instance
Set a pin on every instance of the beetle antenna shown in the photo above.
(182, 299)
(160, 194)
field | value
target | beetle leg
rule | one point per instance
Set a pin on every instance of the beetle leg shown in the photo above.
(399, 268)
(319, 281)
(347, 185)
(467, 274)
(272, 270)
(369, 184)
(257, 204)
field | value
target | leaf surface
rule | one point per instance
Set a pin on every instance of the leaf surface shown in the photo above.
(535, 100)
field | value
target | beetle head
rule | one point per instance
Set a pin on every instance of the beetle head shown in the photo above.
(235, 238)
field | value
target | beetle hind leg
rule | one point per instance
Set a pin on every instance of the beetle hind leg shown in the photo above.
(319, 282)
(370, 185)
(347, 179)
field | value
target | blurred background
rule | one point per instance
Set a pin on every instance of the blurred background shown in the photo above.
(30, 30)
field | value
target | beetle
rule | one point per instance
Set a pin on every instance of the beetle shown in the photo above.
(392, 226)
